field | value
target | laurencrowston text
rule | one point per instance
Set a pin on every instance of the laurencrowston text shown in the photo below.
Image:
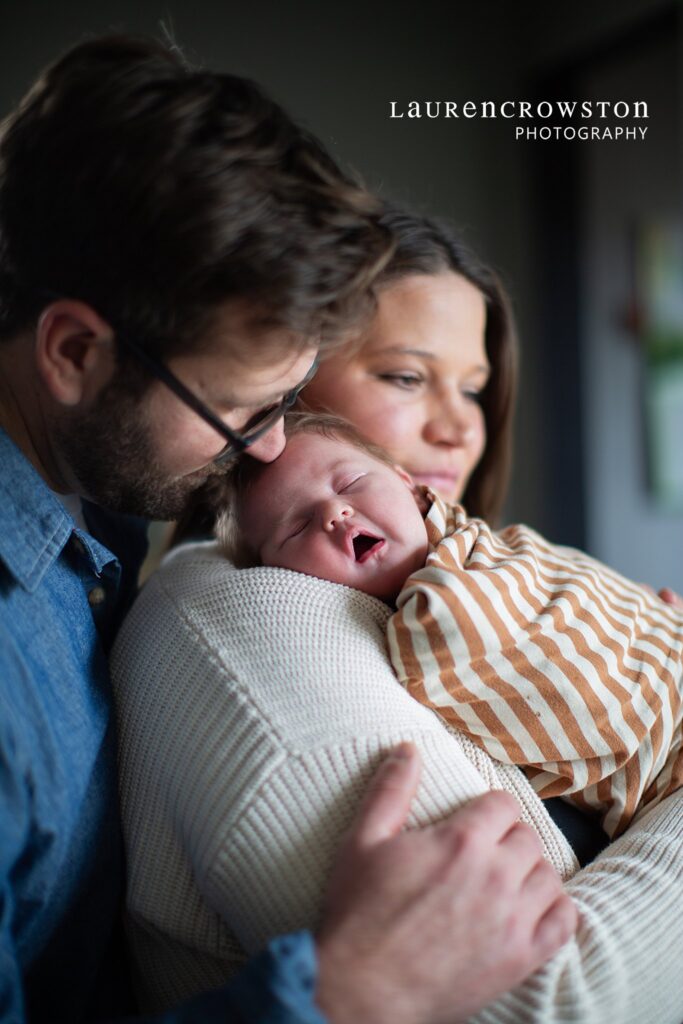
(514, 109)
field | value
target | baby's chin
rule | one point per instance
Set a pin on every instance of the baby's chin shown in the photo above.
(387, 587)
(384, 587)
(388, 596)
(378, 578)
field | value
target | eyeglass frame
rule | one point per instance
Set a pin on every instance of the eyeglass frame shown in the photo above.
(237, 442)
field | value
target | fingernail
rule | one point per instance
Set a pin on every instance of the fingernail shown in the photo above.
(403, 752)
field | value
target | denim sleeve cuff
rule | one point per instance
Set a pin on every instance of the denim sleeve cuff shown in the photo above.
(278, 985)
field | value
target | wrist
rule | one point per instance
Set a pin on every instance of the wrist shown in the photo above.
(349, 990)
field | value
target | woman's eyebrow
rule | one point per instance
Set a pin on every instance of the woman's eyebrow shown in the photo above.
(405, 351)
(424, 354)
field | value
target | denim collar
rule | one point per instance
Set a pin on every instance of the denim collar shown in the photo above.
(34, 524)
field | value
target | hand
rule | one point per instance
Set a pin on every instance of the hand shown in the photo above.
(670, 596)
(666, 594)
(429, 926)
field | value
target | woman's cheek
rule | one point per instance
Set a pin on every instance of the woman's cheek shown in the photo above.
(388, 424)
(477, 448)
(379, 412)
(480, 443)
(459, 490)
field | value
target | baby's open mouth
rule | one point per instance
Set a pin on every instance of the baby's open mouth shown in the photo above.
(364, 544)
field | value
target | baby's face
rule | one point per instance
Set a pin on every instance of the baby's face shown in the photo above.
(328, 509)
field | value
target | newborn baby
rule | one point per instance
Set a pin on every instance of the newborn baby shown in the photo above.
(546, 658)
(329, 506)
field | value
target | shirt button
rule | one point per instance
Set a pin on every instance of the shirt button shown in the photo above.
(96, 596)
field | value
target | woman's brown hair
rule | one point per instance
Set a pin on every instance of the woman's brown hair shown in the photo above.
(423, 245)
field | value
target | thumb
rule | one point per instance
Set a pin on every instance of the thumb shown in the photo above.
(385, 807)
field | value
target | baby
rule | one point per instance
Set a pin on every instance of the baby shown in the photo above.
(546, 658)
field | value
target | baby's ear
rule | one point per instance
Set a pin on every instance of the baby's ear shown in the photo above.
(416, 491)
(404, 475)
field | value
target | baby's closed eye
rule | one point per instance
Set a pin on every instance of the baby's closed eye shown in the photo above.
(348, 484)
(296, 528)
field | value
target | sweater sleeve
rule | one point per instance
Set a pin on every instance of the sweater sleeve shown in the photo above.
(254, 707)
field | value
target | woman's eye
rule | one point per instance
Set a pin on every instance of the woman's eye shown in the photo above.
(473, 396)
(406, 381)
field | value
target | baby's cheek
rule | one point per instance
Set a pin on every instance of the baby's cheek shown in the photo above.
(307, 554)
(281, 557)
(303, 561)
(324, 564)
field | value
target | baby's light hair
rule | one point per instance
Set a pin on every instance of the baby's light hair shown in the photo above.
(227, 493)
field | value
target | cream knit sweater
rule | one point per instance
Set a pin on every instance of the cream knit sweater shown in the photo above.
(254, 706)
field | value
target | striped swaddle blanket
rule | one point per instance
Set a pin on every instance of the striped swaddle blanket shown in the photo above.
(548, 660)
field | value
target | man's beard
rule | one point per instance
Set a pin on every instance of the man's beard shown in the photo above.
(110, 451)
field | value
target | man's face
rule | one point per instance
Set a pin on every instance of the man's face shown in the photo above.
(145, 454)
(329, 509)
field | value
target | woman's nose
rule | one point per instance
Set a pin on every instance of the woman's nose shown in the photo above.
(450, 423)
(272, 444)
(334, 512)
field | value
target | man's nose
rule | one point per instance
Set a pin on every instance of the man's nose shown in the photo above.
(272, 444)
(334, 512)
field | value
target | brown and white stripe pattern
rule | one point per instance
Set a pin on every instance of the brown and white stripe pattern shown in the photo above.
(548, 660)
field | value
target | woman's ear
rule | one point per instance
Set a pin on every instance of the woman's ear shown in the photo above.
(74, 351)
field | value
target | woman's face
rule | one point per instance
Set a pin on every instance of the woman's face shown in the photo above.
(414, 385)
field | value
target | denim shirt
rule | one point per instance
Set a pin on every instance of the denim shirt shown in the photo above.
(62, 593)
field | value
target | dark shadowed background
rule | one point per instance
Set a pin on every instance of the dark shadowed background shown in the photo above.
(560, 221)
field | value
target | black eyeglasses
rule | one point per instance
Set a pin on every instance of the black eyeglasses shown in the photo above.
(237, 442)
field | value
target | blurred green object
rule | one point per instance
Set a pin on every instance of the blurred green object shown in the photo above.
(660, 284)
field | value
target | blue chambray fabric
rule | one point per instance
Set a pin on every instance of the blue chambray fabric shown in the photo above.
(60, 850)
(61, 859)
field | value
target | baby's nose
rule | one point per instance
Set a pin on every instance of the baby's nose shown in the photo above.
(334, 514)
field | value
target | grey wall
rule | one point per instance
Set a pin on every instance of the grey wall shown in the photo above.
(338, 66)
(626, 524)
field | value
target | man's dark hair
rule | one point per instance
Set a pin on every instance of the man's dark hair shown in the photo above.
(155, 193)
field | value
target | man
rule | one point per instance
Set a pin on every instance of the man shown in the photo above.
(173, 253)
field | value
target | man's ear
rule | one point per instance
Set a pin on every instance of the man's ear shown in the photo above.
(74, 351)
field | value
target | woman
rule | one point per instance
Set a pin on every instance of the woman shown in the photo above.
(284, 679)
(434, 383)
